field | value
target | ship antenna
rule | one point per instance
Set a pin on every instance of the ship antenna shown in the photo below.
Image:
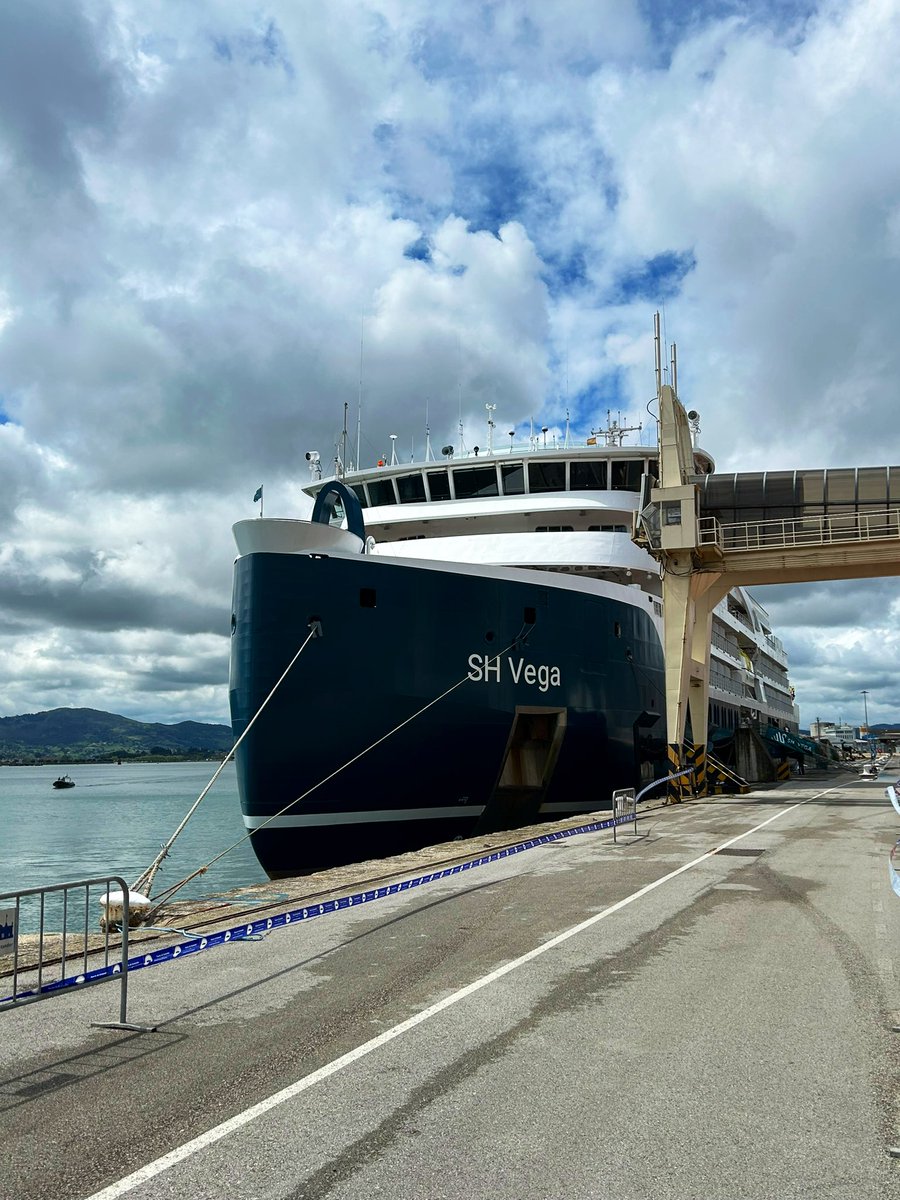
(344, 441)
(566, 443)
(491, 408)
(462, 444)
(393, 438)
(674, 369)
(362, 321)
(658, 353)
(429, 453)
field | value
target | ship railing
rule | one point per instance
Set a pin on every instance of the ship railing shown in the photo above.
(809, 530)
(65, 954)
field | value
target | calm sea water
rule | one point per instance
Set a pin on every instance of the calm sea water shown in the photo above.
(115, 820)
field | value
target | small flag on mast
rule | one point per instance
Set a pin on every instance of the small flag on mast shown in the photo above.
(257, 495)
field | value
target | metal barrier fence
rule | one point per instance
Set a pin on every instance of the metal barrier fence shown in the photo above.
(68, 947)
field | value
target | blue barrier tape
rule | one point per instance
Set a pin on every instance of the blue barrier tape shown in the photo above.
(260, 927)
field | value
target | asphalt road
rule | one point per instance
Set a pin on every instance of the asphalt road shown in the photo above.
(640, 1020)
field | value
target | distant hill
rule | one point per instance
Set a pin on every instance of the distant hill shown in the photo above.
(88, 735)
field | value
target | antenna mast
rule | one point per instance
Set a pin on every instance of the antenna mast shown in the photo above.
(344, 442)
(359, 403)
(491, 408)
(658, 353)
(429, 453)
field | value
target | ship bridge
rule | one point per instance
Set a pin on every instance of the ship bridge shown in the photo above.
(712, 533)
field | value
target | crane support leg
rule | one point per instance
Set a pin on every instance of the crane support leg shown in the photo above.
(688, 600)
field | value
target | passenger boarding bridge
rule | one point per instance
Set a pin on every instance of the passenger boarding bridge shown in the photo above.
(711, 533)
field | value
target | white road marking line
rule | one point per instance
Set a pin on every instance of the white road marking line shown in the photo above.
(179, 1154)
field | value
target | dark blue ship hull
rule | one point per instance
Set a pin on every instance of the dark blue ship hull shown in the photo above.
(547, 674)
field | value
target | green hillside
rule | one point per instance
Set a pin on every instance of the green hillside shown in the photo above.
(88, 735)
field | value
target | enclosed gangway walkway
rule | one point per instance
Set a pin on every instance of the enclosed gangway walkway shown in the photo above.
(711, 533)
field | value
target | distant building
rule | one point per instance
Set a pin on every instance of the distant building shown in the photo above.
(838, 734)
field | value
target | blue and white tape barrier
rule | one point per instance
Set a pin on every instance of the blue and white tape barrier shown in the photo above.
(257, 929)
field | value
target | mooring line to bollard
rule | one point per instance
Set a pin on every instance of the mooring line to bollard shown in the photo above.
(255, 930)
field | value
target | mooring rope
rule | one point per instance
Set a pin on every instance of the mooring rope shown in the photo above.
(166, 895)
(145, 881)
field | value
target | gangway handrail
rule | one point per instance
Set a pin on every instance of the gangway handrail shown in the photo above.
(809, 530)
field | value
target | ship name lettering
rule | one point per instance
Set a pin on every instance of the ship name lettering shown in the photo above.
(483, 667)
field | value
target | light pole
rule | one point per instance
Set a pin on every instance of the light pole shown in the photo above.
(864, 694)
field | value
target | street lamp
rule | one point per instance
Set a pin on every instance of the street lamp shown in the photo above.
(864, 694)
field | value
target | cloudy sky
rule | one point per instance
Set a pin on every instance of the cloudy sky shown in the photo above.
(208, 210)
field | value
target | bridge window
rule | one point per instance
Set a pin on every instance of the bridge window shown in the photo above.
(750, 497)
(411, 488)
(360, 492)
(588, 476)
(554, 529)
(840, 489)
(513, 476)
(811, 489)
(894, 473)
(718, 497)
(439, 485)
(475, 481)
(872, 486)
(779, 495)
(381, 491)
(547, 477)
(626, 476)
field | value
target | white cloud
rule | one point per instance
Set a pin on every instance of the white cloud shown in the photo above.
(205, 206)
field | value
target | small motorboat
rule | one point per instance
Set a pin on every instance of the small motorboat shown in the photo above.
(64, 781)
(869, 771)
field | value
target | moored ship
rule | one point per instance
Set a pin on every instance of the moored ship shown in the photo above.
(486, 650)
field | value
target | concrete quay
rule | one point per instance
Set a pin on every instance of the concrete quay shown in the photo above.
(705, 1010)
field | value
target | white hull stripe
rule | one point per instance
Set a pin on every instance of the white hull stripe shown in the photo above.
(375, 816)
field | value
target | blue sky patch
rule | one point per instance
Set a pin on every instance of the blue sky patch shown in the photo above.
(655, 279)
(265, 48)
(420, 250)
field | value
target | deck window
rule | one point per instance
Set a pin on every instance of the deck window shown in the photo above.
(588, 476)
(547, 476)
(475, 481)
(381, 491)
(360, 493)
(626, 474)
(411, 488)
(513, 476)
(439, 485)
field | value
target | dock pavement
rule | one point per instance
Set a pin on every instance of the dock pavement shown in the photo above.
(706, 1007)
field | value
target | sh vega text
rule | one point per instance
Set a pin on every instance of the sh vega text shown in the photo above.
(487, 668)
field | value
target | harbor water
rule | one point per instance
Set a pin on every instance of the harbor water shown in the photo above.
(115, 820)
